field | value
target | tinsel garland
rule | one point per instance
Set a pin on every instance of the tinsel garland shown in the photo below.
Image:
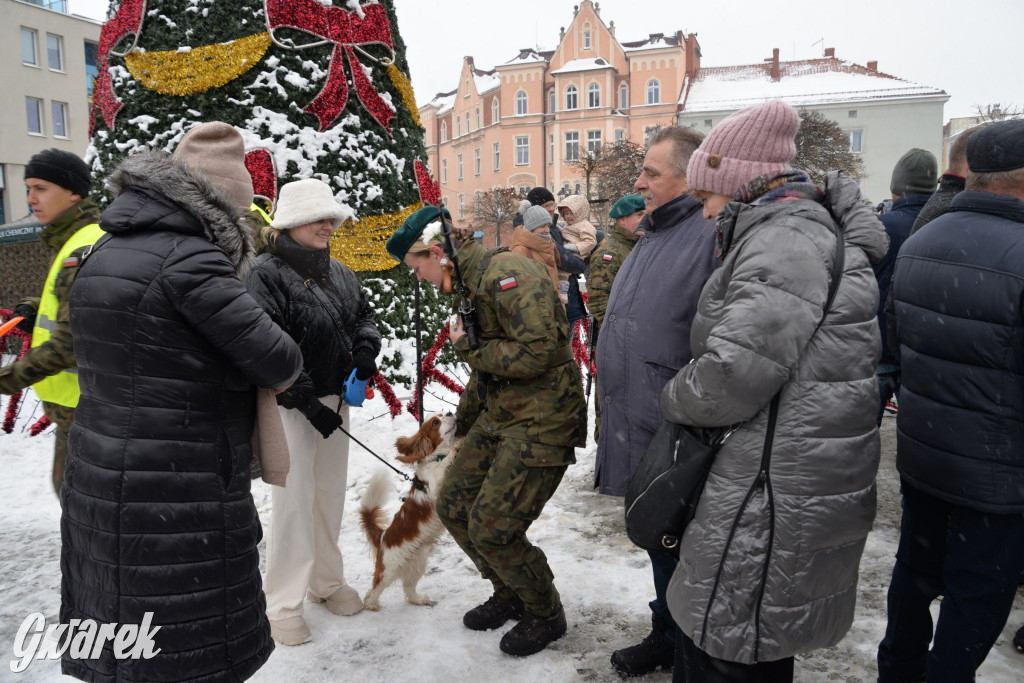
(176, 72)
(26, 340)
(431, 373)
(430, 191)
(579, 349)
(40, 426)
(404, 88)
(126, 21)
(361, 245)
(387, 393)
(260, 164)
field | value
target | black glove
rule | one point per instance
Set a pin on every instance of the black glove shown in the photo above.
(298, 394)
(28, 311)
(323, 419)
(365, 364)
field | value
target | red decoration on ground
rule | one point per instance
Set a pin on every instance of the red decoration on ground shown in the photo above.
(345, 29)
(126, 21)
(26, 341)
(430, 191)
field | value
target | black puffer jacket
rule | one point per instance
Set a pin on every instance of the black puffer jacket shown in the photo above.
(278, 282)
(157, 514)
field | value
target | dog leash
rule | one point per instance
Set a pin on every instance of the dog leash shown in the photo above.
(415, 481)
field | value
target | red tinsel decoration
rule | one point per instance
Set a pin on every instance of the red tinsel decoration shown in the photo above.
(26, 342)
(127, 20)
(40, 426)
(430, 191)
(260, 164)
(432, 373)
(579, 349)
(344, 28)
(388, 394)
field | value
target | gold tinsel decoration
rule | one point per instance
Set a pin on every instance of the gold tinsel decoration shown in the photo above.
(362, 245)
(172, 72)
(402, 84)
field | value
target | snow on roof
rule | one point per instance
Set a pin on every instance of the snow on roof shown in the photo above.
(485, 81)
(583, 65)
(528, 56)
(444, 101)
(654, 41)
(801, 83)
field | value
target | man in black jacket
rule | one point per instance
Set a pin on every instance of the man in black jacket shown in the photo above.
(952, 182)
(955, 322)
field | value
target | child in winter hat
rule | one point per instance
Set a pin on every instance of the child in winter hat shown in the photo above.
(752, 142)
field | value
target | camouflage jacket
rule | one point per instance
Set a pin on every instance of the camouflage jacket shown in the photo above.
(534, 392)
(57, 353)
(604, 263)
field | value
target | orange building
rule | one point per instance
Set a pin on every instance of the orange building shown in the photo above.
(522, 123)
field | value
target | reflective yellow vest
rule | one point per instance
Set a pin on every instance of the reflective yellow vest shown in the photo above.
(61, 388)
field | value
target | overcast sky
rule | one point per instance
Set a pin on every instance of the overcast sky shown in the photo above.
(972, 49)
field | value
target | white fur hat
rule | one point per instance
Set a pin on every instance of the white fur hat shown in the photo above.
(306, 201)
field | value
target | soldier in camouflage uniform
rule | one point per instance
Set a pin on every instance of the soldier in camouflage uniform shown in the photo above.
(522, 414)
(605, 262)
(58, 189)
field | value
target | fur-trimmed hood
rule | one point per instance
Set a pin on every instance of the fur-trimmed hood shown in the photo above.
(153, 191)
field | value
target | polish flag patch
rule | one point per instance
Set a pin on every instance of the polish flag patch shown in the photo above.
(607, 257)
(70, 262)
(508, 283)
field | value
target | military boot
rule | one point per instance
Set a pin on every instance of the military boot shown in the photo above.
(494, 613)
(651, 654)
(532, 634)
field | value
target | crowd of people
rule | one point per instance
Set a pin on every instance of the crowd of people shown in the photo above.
(183, 340)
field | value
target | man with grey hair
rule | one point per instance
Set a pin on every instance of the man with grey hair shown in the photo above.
(644, 341)
(955, 320)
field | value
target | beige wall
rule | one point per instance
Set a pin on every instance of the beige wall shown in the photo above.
(17, 81)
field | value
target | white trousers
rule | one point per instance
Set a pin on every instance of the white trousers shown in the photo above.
(305, 518)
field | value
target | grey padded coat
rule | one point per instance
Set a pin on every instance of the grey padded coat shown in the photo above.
(763, 579)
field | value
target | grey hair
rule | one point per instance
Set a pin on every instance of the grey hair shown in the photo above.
(685, 142)
(999, 182)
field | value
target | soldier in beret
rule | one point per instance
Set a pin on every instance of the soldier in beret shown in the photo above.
(519, 436)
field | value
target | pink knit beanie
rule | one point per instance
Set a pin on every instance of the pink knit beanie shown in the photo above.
(752, 142)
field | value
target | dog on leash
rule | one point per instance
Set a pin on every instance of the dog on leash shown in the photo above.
(402, 547)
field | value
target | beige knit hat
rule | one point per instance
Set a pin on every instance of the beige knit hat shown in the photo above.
(306, 201)
(217, 149)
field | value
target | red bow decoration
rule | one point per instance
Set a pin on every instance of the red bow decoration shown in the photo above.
(430, 191)
(126, 21)
(345, 29)
(260, 164)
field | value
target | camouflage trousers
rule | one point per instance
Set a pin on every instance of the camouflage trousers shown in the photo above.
(488, 500)
(62, 417)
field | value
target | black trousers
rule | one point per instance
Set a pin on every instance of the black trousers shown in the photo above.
(693, 665)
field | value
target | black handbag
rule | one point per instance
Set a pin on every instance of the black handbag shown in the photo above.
(663, 492)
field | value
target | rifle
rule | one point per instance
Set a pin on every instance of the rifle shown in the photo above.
(591, 347)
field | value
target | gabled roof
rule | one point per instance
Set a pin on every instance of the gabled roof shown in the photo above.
(444, 101)
(583, 65)
(806, 82)
(653, 41)
(530, 56)
(485, 81)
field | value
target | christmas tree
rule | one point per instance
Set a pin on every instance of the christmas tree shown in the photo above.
(318, 89)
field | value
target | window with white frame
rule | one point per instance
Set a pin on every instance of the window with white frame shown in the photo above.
(579, 189)
(523, 189)
(593, 142)
(572, 146)
(620, 136)
(478, 197)
(571, 97)
(856, 138)
(649, 132)
(92, 71)
(551, 148)
(551, 101)
(497, 156)
(586, 40)
(708, 123)
(462, 207)
(623, 97)
(467, 124)
(653, 91)
(494, 111)
(522, 103)
(459, 166)
(59, 119)
(478, 118)
(444, 171)
(444, 131)
(34, 114)
(476, 161)
(593, 95)
(522, 150)
(458, 126)
(28, 47)
(54, 52)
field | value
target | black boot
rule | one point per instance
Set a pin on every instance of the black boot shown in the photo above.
(493, 613)
(1018, 639)
(653, 653)
(532, 634)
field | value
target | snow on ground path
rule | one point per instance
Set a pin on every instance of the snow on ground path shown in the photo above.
(604, 582)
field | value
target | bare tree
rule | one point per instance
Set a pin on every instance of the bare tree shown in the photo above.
(610, 172)
(997, 112)
(496, 208)
(822, 146)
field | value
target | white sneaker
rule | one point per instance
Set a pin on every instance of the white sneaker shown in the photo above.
(290, 631)
(344, 602)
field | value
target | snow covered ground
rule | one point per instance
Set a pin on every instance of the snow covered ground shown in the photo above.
(604, 582)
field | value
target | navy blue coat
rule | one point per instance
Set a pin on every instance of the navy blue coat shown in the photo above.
(897, 222)
(959, 328)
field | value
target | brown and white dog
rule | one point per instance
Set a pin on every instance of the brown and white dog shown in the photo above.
(402, 548)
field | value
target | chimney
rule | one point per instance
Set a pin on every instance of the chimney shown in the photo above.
(692, 55)
(774, 59)
(873, 66)
(830, 53)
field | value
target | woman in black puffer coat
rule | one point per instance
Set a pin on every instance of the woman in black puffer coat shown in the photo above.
(157, 514)
(319, 302)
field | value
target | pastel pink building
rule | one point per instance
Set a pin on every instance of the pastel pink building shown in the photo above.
(522, 123)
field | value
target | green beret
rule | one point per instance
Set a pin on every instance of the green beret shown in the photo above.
(631, 203)
(399, 243)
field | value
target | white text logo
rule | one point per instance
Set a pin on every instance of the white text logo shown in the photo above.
(81, 639)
